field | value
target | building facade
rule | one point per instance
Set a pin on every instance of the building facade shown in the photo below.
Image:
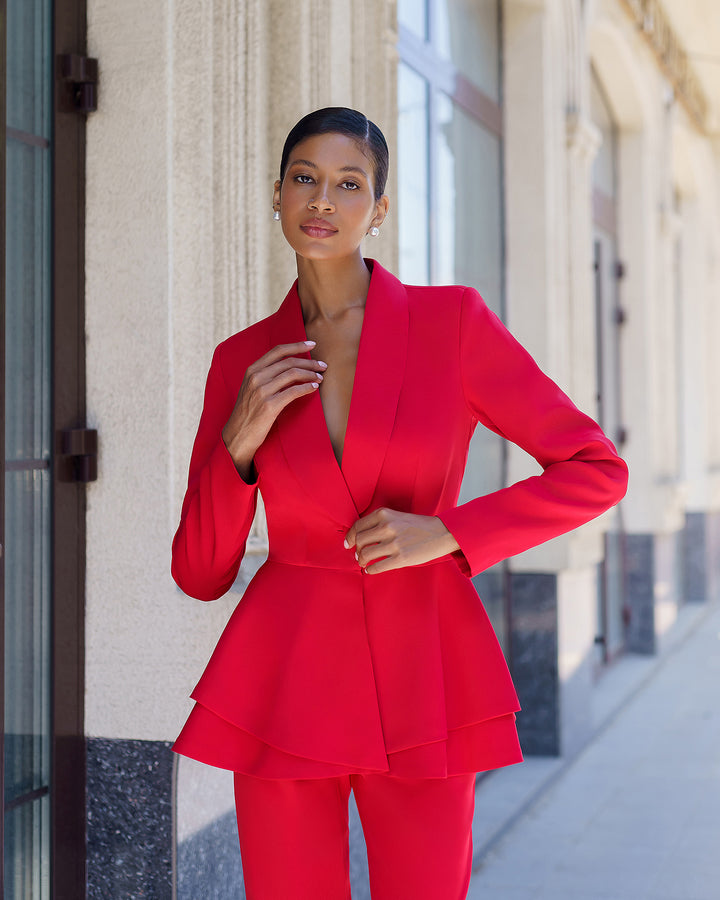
(561, 156)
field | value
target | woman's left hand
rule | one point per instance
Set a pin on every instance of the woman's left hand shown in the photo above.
(398, 539)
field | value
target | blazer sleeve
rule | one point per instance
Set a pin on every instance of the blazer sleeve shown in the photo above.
(507, 392)
(219, 505)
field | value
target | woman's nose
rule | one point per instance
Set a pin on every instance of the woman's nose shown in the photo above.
(321, 202)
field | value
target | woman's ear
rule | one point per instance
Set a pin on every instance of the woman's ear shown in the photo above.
(276, 194)
(381, 210)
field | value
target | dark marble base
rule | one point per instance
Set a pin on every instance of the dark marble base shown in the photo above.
(129, 820)
(534, 661)
(701, 557)
(209, 864)
(712, 531)
(640, 593)
(694, 550)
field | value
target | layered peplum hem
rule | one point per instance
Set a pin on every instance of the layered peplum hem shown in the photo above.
(482, 746)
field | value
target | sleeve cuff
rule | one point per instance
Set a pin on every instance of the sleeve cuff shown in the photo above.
(454, 526)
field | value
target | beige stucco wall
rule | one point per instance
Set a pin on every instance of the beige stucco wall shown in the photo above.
(196, 98)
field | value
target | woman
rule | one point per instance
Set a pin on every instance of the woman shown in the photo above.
(360, 655)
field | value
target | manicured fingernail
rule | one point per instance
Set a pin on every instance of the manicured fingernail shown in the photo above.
(309, 343)
(318, 375)
(315, 384)
(356, 556)
(321, 363)
(347, 546)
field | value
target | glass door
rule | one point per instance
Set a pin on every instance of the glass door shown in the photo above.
(28, 445)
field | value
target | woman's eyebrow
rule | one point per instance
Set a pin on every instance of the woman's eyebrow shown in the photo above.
(312, 165)
(303, 162)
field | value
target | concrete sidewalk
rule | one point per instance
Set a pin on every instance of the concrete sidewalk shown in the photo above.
(636, 816)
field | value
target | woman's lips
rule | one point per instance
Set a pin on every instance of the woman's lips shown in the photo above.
(318, 228)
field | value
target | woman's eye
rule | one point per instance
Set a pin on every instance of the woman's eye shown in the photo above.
(303, 179)
(351, 185)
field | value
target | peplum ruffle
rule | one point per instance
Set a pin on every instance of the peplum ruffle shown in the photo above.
(475, 748)
(399, 674)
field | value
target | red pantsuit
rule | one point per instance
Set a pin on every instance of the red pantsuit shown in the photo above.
(324, 671)
(294, 836)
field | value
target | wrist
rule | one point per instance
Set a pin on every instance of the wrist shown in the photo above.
(242, 456)
(446, 538)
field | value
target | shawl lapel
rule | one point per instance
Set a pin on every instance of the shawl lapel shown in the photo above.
(347, 491)
(378, 379)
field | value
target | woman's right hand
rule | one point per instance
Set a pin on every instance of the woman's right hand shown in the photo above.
(269, 385)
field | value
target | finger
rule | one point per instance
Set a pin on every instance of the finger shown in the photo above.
(258, 374)
(383, 565)
(372, 520)
(288, 377)
(365, 523)
(375, 535)
(281, 351)
(283, 398)
(376, 551)
(263, 394)
(352, 536)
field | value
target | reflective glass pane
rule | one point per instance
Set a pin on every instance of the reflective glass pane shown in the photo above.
(412, 169)
(413, 15)
(29, 91)
(469, 203)
(27, 650)
(27, 286)
(467, 33)
(27, 851)
(27, 631)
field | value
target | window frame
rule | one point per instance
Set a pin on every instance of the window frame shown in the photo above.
(3, 139)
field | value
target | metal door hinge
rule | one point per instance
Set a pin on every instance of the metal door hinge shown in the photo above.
(78, 455)
(80, 77)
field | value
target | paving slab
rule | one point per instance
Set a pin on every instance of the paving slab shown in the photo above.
(636, 815)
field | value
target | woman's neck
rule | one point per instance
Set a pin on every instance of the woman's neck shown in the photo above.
(328, 288)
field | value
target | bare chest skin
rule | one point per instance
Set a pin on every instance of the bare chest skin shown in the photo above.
(337, 343)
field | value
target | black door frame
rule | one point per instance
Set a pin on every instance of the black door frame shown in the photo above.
(68, 802)
(3, 138)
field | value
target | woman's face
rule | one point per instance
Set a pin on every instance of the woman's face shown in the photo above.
(326, 199)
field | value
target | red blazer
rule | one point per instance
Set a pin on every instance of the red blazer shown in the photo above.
(323, 669)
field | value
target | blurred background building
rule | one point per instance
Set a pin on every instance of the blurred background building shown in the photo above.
(561, 156)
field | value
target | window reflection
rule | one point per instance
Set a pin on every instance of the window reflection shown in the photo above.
(466, 32)
(469, 207)
(413, 15)
(413, 200)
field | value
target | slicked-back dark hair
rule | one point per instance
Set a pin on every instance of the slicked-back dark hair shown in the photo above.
(351, 123)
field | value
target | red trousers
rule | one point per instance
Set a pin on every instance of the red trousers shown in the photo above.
(294, 836)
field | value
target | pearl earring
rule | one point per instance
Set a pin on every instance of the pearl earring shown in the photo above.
(374, 231)
(276, 215)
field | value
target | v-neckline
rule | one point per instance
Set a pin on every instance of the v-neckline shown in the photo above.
(316, 398)
(348, 487)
